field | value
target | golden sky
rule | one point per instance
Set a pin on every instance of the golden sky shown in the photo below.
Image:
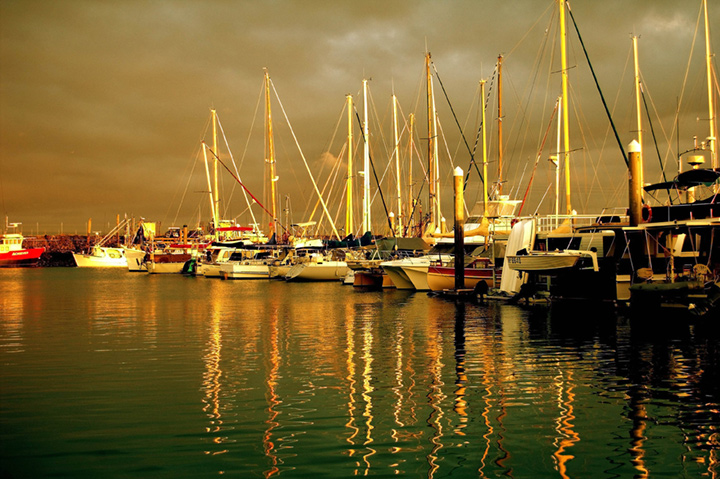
(103, 104)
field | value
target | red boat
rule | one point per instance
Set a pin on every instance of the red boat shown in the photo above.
(13, 255)
(442, 276)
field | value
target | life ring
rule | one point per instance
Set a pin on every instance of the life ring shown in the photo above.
(646, 213)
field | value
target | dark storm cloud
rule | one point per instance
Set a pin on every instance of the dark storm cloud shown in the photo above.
(103, 104)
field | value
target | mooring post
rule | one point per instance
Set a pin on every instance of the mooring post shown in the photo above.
(459, 230)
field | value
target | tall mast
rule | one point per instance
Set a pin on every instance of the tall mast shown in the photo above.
(366, 163)
(433, 181)
(349, 226)
(397, 167)
(411, 199)
(566, 127)
(557, 160)
(271, 155)
(484, 150)
(711, 104)
(638, 109)
(500, 132)
(210, 192)
(216, 193)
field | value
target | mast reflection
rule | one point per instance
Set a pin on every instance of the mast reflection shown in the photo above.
(435, 395)
(564, 426)
(212, 384)
(273, 398)
(367, 390)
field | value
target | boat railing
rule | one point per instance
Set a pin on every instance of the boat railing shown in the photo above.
(546, 224)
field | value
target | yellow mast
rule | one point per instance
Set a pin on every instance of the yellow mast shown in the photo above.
(638, 110)
(397, 167)
(566, 128)
(349, 226)
(711, 141)
(484, 150)
(433, 181)
(500, 129)
(411, 199)
(216, 193)
(271, 154)
(210, 192)
(366, 164)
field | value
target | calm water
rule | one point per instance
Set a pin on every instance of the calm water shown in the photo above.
(112, 374)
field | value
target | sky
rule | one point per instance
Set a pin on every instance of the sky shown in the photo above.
(104, 104)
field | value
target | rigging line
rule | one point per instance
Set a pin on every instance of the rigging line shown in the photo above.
(486, 102)
(537, 158)
(417, 202)
(232, 159)
(652, 131)
(372, 164)
(457, 122)
(241, 184)
(597, 84)
(307, 167)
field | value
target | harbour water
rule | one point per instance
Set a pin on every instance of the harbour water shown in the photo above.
(111, 374)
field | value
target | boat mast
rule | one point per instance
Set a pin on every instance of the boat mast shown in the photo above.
(711, 105)
(271, 155)
(349, 226)
(399, 227)
(500, 130)
(557, 161)
(411, 199)
(638, 92)
(216, 194)
(484, 150)
(566, 128)
(210, 191)
(366, 163)
(433, 182)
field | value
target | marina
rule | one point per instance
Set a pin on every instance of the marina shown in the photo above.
(523, 282)
(117, 374)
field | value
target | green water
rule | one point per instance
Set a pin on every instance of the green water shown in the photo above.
(111, 374)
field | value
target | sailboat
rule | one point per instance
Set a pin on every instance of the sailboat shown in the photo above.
(101, 256)
(679, 241)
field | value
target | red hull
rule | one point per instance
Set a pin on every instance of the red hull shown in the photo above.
(21, 258)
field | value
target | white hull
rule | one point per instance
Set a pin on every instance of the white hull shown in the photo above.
(135, 260)
(522, 236)
(165, 268)
(417, 273)
(101, 258)
(324, 271)
(279, 271)
(399, 278)
(211, 270)
(244, 270)
(537, 261)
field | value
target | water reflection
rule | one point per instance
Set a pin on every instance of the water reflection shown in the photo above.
(274, 379)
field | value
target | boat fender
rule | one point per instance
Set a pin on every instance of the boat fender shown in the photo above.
(646, 213)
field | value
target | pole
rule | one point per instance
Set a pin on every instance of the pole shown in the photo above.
(349, 226)
(637, 106)
(500, 135)
(459, 229)
(366, 164)
(565, 112)
(711, 141)
(484, 150)
(634, 185)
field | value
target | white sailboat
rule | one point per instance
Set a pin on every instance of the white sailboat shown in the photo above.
(318, 266)
(101, 256)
